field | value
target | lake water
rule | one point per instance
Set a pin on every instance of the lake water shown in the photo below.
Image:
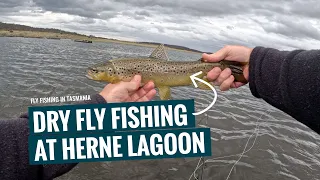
(279, 147)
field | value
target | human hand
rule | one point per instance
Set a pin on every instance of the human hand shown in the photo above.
(224, 78)
(129, 91)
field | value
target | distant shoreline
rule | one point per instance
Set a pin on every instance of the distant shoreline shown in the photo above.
(57, 36)
(15, 30)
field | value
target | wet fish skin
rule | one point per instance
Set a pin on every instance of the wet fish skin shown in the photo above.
(160, 70)
(163, 73)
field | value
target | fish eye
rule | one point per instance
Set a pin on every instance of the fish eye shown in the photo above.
(94, 70)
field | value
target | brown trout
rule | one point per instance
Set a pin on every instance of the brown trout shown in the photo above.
(159, 69)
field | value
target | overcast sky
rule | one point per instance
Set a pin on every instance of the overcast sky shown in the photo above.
(201, 24)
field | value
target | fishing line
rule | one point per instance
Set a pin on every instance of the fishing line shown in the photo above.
(257, 128)
(199, 165)
(201, 158)
(194, 174)
(201, 174)
(241, 154)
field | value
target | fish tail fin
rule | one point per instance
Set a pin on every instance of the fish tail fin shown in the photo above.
(236, 69)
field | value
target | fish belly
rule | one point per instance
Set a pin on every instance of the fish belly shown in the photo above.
(168, 80)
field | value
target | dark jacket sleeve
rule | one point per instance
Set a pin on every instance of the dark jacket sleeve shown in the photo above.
(14, 151)
(288, 80)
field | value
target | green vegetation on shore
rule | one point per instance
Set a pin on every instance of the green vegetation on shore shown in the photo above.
(15, 30)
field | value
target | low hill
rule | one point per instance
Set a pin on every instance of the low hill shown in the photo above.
(17, 30)
(18, 27)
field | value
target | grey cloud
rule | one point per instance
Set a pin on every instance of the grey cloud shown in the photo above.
(140, 15)
(208, 7)
(230, 27)
(89, 8)
(77, 11)
(178, 28)
(85, 8)
(133, 15)
(12, 6)
(285, 19)
(143, 13)
(292, 28)
(92, 9)
(87, 21)
(107, 15)
(137, 17)
(180, 19)
(306, 8)
(5, 11)
(12, 3)
(127, 13)
(160, 29)
(230, 7)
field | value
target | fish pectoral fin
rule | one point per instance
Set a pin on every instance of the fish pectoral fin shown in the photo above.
(164, 92)
(202, 85)
(160, 53)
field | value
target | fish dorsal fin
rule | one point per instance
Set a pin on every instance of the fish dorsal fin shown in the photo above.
(160, 53)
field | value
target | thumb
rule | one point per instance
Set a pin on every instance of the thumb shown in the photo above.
(217, 56)
(134, 84)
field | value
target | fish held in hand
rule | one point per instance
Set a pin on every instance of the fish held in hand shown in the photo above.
(159, 69)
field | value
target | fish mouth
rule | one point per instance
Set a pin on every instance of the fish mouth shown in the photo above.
(93, 76)
(89, 74)
(89, 77)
